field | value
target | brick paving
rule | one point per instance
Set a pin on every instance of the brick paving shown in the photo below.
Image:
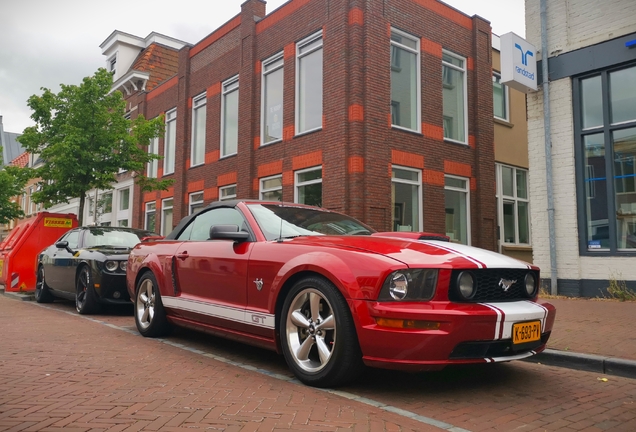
(60, 371)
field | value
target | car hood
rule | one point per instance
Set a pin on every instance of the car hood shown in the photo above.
(417, 253)
(110, 252)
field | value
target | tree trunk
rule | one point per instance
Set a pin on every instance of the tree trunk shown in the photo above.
(80, 216)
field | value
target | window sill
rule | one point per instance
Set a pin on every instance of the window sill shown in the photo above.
(271, 142)
(308, 132)
(452, 141)
(197, 165)
(503, 122)
(516, 247)
(227, 156)
(403, 129)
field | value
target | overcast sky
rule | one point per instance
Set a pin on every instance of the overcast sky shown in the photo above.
(47, 42)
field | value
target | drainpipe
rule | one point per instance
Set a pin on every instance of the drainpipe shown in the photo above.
(548, 146)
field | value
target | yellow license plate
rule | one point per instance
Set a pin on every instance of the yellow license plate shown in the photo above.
(526, 332)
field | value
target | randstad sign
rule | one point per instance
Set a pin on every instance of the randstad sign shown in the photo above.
(518, 63)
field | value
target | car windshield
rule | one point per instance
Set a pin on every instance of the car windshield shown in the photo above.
(281, 221)
(113, 238)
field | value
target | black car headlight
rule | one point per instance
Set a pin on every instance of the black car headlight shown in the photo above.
(466, 284)
(409, 285)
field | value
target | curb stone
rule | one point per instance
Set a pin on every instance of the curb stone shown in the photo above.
(586, 362)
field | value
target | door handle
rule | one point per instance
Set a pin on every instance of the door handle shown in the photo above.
(183, 255)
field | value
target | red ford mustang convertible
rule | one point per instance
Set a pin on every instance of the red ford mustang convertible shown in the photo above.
(332, 294)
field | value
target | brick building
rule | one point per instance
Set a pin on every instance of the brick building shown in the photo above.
(591, 54)
(382, 110)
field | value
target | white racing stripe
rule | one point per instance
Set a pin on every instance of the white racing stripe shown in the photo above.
(244, 316)
(481, 257)
(509, 313)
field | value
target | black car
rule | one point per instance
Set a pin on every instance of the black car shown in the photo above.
(88, 265)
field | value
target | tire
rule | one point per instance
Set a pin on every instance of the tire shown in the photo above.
(86, 300)
(318, 336)
(150, 316)
(42, 291)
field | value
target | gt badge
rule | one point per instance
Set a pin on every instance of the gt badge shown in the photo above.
(506, 284)
(259, 284)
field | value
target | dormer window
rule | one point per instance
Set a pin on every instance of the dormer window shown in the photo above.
(112, 65)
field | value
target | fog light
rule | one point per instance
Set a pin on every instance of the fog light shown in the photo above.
(466, 284)
(116, 294)
(123, 265)
(408, 324)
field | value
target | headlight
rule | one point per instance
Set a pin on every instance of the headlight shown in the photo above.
(409, 285)
(111, 265)
(531, 284)
(123, 265)
(466, 284)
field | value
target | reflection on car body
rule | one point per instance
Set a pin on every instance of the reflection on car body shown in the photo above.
(333, 295)
(87, 265)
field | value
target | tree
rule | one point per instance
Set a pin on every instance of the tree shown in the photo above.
(84, 140)
(12, 181)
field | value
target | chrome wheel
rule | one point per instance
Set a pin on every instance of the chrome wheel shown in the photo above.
(145, 304)
(311, 330)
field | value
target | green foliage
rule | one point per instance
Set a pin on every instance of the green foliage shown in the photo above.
(618, 290)
(84, 139)
(12, 181)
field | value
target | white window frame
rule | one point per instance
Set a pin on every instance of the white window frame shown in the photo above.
(308, 40)
(224, 196)
(171, 116)
(500, 202)
(165, 207)
(263, 190)
(298, 184)
(506, 96)
(153, 165)
(420, 199)
(228, 86)
(109, 63)
(465, 79)
(150, 211)
(467, 191)
(273, 59)
(102, 197)
(198, 102)
(418, 80)
(192, 202)
(31, 203)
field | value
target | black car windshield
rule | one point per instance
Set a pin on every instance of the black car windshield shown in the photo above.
(113, 238)
(281, 221)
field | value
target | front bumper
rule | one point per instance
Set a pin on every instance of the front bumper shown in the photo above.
(467, 333)
(112, 288)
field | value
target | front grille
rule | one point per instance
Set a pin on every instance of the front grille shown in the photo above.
(490, 349)
(488, 288)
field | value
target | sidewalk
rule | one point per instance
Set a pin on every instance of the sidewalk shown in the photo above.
(593, 335)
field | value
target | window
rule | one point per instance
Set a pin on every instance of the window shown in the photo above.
(406, 199)
(112, 65)
(196, 202)
(124, 199)
(31, 203)
(170, 142)
(227, 192)
(153, 165)
(309, 84)
(72, 238)
(454, 95)
(197, 154)
(122, 223)
(199, 227)
(457, 209)
(24, 209)
(106, 202)
(309, 186)
(405, 81)
(500, 98)
(605, 133)
(151, 218)
(229, 117)
(166, 216)
(272, 109)
(272, 188)
(513, 207)
(90, 205)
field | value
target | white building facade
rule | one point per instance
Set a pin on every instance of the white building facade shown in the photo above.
(592, 90)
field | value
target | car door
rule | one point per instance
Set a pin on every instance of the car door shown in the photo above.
(212, 274)
(60, 273)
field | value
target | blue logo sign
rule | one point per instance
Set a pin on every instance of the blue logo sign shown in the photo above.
(524, 54)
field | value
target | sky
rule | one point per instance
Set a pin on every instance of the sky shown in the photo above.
(44, 43)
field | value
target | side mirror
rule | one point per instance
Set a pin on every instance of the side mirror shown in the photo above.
(228, 232)
(64, 245)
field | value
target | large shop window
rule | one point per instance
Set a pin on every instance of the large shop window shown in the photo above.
(272, 110)
(309, 84)
(170, 142)
(229, 117)
(454, 95)
(406, 198)
(405, 81)
(197, 156)
(605, 133)
(309, 186)
(513, 205)
(457, 209)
